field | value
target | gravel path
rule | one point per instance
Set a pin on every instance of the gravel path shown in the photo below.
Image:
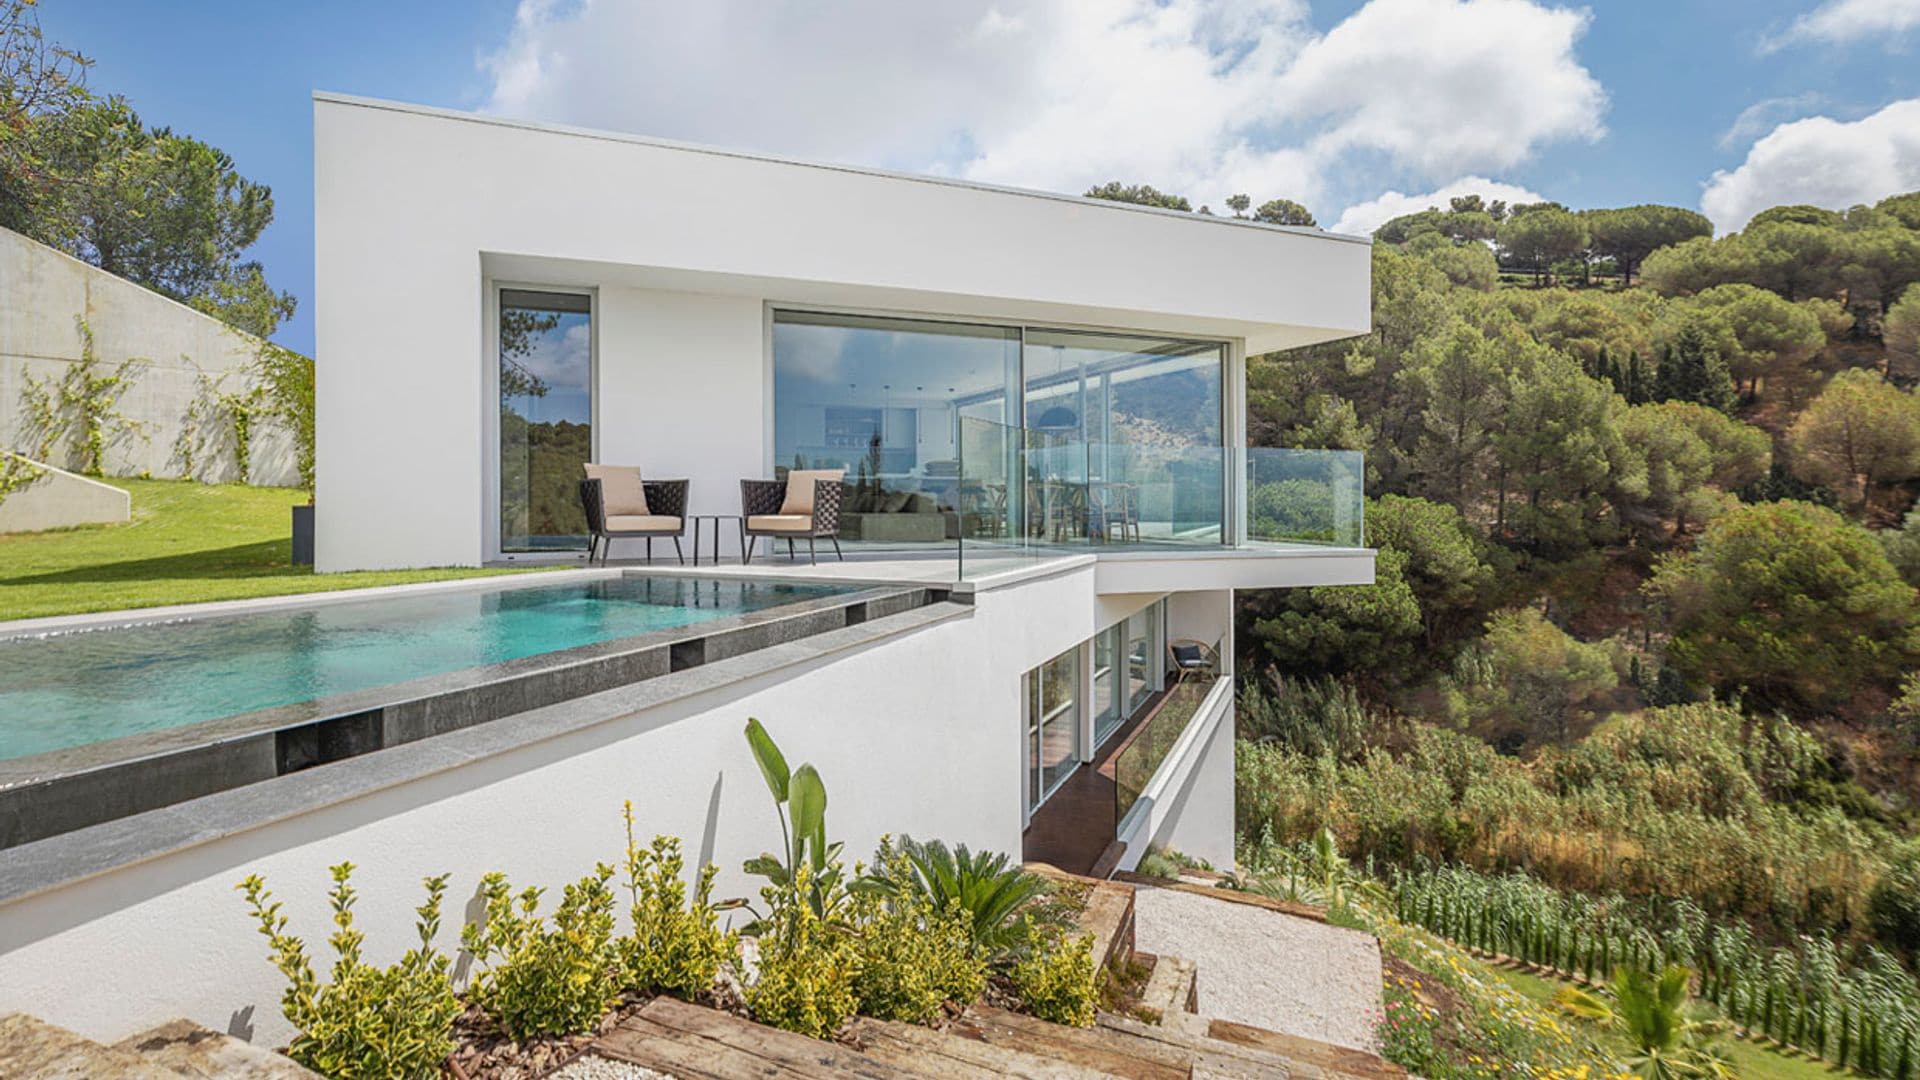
(1270, 970)
(592, 1067)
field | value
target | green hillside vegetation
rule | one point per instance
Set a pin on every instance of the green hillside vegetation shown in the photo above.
(1645, 625)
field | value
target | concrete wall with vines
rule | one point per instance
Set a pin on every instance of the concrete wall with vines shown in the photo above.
(99, 375)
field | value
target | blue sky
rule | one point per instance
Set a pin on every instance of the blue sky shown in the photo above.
(1359, 110)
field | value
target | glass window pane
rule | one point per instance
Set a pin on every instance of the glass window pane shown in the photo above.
(883, 399)
(546, 415)
(1060, 717)
(1108, 388)
(1108, 695)
(1142, 659)
(1146, 415)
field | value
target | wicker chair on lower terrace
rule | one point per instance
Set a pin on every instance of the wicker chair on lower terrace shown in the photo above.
(621, 506)
(805, 505)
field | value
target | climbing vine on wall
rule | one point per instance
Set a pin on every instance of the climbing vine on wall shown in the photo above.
(81, 408)
(16, 473)
(286, 379)
(232, 413)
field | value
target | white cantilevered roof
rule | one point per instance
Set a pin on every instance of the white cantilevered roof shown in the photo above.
(548, 203)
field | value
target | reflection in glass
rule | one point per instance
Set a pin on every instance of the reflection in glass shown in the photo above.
(546, 416)
(1148, 412)
(1053, 723)
(1109, 694)
(1143, 661)
(884, 399)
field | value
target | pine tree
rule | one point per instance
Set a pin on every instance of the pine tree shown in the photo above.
(1693, 370)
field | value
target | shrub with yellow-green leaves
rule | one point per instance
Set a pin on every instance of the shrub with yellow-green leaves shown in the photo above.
(1056, 981)
(806, 969)
(676, 947)
(914, 957)
(368, 1022)
(541, 980)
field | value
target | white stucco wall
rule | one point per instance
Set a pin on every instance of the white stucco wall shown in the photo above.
(43, 292)
(683, 390)
(919, 733)
(57, 499)
(418, 212)
(1200, 821)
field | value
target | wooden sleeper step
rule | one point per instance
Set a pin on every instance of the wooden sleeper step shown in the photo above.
(696, 1043)
(1342, 1058)
(953, 1055)
(192, 1050)
(1172, 989)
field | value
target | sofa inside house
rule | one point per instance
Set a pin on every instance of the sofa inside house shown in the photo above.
(872, 512)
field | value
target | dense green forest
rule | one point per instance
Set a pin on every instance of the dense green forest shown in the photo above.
(1645, 630)
(1639, 678)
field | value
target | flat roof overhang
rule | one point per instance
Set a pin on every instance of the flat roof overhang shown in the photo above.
(802, 294)
(542, 203)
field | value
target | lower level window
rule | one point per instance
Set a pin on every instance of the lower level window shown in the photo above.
(1053, 723)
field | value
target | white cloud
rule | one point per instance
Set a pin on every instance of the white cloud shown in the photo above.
(1447, 85)
(1843, 22)
(561, 360)
(1822, 161)
(1362, 218)
(1762, 116)
(1203, 97)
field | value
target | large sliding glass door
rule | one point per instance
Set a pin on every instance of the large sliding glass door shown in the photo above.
(1148, 413)
(1053, 724)
(1109, 681)
(546, 418)
(1143, 656)
(1122, 434)
(884, 399)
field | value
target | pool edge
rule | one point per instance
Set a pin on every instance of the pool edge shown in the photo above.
(52, 793)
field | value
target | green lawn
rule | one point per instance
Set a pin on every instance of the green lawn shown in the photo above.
(187, 543)
(1751, 1061)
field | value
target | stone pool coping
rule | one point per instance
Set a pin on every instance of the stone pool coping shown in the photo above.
(53, 863)
(211, 609)
(49, 794)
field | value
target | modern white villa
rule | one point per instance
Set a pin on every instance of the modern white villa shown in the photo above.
(1010, 425)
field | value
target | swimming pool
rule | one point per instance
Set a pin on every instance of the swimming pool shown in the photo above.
(74, 688)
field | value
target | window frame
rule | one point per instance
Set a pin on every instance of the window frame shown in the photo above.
(491, 549)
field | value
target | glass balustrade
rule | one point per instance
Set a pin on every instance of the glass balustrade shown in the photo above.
(1025, 494)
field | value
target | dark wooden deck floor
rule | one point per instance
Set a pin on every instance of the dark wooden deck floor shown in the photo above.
(1072, 829)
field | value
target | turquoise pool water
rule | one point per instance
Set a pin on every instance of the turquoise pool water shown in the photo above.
(71, 689)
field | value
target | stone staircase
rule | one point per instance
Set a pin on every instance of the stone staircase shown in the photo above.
(32, 1049)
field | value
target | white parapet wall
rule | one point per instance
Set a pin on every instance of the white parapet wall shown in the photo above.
(914, 721)
(50, 301)
(57, 499)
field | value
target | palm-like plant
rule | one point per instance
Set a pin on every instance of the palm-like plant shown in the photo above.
(1001, 899)
(800, 801)
(1650, 1010)
(1316, 874)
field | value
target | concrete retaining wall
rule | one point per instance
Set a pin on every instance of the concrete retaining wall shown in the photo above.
(58, 499)
(182, 358)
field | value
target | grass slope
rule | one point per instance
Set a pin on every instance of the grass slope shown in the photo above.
(187, 543)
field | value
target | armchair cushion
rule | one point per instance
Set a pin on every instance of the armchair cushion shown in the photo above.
(617, 523)
(621, 492)
(793, 523)
(1189, 656)
(800, 483)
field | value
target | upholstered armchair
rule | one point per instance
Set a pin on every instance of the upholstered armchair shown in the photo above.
(619, 505)
(804, 505)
